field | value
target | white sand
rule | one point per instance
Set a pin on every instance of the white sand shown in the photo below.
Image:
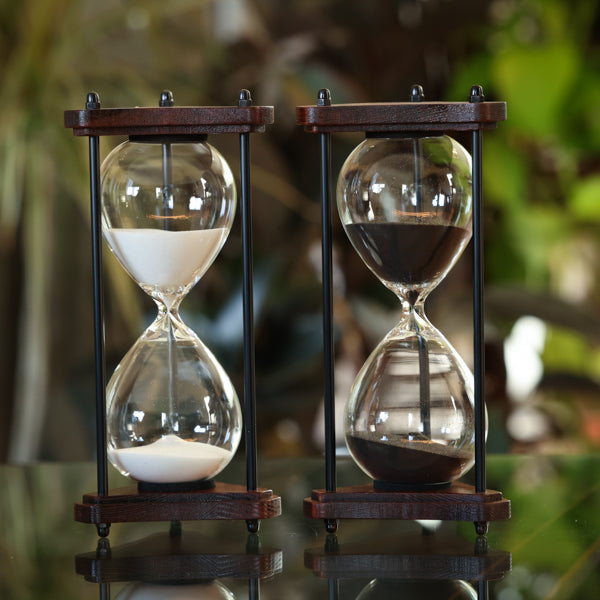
(165, 259)
(171, 460)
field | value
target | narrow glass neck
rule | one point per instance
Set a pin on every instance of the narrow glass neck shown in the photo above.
(413, 315)
(168, 303)
(168, 314)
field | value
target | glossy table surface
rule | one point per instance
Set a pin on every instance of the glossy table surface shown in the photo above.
(550, 548)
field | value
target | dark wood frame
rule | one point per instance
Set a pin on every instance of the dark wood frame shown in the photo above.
(186, 123)
(411, 555)
(191, 557)
(401, 116)
(457, 502)
(175, 120)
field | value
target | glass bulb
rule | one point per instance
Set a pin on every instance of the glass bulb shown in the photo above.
(378, 589)
(211, 590)
(172, 413)
(405, 204)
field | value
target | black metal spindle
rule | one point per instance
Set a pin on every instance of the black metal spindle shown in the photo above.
(424, 384)
(93, 102)
(245, 99)
(167, 101)
(417, 95)
(253, 589)
(324, 99)
(105, 591)
(332, 547)
(478, 324)
(483, 590)
(333, 589)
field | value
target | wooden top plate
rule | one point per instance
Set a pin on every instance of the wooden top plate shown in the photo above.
(174, 120)
(401, 116)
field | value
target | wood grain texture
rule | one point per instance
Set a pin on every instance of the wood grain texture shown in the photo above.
(410, 556)
(456, 503)
(161, 557)
(223, 502)
(180, 120)
(401, 116)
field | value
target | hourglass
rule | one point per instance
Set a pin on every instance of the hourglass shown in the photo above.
(162, 566)
(413, 564)
(174, 419)
(405, 204)
(408, 200)
(170, 418)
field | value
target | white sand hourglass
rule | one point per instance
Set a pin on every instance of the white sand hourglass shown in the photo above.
(167, 208)
(169, 418)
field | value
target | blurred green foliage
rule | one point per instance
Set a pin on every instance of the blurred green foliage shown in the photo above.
(540, 184)
(541, 181)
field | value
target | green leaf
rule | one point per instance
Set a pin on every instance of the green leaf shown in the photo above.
(532, 233)
(536, 81)
(566, 351)
(584, 199)
(504, 173)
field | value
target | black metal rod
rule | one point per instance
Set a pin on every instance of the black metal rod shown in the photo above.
(167, 167)
(478, 324)
(424, 379)
(248, 306)
(327, 274)
(483, 590)
(167, 101)
(168, 207)
(424, 389)
(333, 589)
(253, 589)
(105, 591)
(101, 430)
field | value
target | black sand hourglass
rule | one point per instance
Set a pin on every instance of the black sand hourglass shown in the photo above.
(164, 201)
(413, 564)
(408, 198)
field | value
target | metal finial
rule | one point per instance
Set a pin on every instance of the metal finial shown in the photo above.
(476, 94)
(245, 98)
(324, 97)
(92, 101)
(166, 99)
(416, 93)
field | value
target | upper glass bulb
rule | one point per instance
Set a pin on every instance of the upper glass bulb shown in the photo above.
(167, 208)
(166, 211)
(406, 204)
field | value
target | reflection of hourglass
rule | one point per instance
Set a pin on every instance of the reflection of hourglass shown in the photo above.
(379, 589)
(405, 204)
(173, 415)
(410, 564)
(166, 566)
(415, 420)
(173, 420)
(211, 590)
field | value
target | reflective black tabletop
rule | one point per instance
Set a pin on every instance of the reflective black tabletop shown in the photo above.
(550, 548)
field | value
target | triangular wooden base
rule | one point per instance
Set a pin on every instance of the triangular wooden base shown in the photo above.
(459, 502)
(223, 502)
